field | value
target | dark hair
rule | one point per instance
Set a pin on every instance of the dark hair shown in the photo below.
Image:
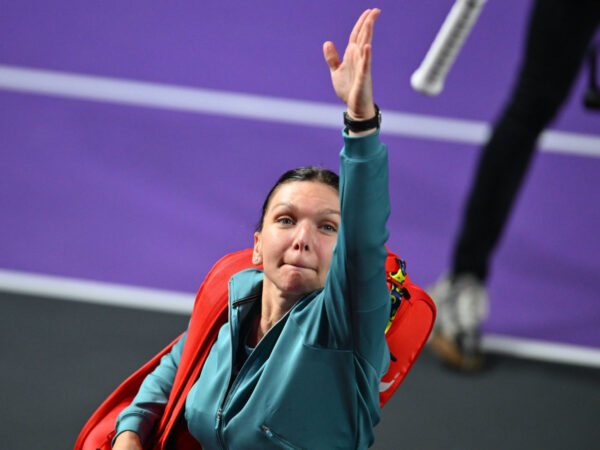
(311, 173)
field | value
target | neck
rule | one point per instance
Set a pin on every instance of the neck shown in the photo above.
(273, 307)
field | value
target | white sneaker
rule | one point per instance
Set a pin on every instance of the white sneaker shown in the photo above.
(462, 305)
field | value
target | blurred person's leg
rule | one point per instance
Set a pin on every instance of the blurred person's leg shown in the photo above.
(558, 34)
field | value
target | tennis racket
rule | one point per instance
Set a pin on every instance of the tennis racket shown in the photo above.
(429, 77)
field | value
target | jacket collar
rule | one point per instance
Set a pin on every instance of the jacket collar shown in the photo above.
(245, 289)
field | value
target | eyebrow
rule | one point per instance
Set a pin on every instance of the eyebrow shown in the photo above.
(330, 211)
(323, 212)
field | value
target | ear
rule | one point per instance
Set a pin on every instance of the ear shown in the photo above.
(257, 258)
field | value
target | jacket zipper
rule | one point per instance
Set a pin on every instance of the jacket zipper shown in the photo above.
(242, 301)
(230, 388)
(231, 357)
(218, 425)
(219, 437)
(230, 385)
(280, 439)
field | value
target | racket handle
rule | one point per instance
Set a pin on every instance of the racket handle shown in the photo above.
(429, 77)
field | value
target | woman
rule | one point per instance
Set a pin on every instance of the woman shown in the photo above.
(299, 361)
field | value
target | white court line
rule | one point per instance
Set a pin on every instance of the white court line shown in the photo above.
(96, 292)
(542, 350)
(271, 109)
(181, 303)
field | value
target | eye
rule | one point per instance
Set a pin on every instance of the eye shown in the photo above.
(329, 227)
(284, 220)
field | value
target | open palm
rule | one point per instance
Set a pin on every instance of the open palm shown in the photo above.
(351, 77)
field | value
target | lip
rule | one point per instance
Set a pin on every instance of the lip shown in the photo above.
(298, 266)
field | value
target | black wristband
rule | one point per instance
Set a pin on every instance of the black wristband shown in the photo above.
(363, 125)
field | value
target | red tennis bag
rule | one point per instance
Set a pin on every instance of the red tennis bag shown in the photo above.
(411, 320)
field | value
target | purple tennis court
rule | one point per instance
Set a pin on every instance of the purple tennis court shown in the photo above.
(139, 140)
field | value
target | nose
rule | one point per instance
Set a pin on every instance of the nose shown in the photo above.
(302, 238)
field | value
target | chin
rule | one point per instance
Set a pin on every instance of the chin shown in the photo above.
(300, 287)
(297, 291)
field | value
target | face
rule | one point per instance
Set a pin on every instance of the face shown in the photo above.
(297, 238)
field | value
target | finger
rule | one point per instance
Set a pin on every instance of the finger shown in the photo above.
(357, 26)
(363, 64)
(366, 58)
(331, 55)
(365, 35)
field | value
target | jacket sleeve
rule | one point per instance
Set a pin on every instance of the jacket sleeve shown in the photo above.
(356, 292)
(149, 403)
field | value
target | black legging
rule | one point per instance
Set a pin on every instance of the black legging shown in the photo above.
(559, 33)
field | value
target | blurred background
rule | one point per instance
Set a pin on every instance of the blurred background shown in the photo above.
(138, 141)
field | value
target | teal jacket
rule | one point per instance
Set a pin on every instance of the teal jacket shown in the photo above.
(312, 381)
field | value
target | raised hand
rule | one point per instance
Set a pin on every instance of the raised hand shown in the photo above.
(351, 77)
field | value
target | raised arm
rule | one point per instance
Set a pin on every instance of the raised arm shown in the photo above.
(356, 294)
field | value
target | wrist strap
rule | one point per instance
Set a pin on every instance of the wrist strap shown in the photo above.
(363, 125)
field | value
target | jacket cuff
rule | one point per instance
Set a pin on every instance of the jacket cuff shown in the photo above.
(136, 423)
(362, 147)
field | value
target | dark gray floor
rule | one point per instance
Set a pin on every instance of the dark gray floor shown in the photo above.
(60, 359)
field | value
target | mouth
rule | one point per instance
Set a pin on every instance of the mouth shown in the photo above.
(299, 266)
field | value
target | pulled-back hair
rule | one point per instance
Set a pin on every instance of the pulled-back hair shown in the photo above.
(311, 173)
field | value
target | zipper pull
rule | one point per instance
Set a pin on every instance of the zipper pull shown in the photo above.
(219, 416)
(267, 430)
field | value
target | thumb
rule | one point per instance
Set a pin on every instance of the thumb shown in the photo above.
(331, 55)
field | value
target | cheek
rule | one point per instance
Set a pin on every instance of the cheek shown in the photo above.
(274, 246)
(327, 252)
